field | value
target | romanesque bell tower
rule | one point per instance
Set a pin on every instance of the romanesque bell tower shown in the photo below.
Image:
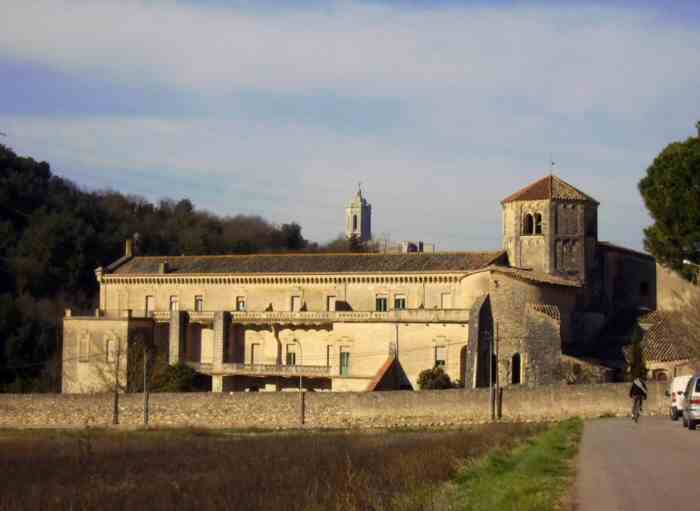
(358, 217)
(551, 227)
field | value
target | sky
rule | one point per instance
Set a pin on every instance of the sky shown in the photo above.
(441, 109)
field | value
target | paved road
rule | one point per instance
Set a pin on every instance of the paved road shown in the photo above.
(638, 467)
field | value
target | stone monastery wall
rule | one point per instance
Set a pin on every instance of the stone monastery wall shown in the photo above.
(325, 410)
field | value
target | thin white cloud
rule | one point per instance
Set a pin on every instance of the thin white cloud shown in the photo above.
(483, 95)
(565, 61)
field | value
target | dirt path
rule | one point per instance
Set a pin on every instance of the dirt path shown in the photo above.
(638, 467)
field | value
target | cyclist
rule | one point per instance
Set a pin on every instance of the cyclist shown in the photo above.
(638, 393)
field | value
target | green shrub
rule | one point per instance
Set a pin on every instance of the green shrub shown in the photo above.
(176, 378)
(434, 379)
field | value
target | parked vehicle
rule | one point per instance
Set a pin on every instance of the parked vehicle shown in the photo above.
(675, 392)
(691, 406)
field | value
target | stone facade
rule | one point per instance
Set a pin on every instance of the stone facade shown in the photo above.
(283, 410)
(335, 322)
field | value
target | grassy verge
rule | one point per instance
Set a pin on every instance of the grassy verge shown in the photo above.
(534, 476)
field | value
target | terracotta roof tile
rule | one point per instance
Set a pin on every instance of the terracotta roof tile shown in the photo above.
(550, 310)
(536, 276)
(310, 263)
(666, 339)
(381, 373)
(550, 187)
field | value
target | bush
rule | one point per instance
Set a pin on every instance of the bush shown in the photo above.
(176, 378)
(434, 379)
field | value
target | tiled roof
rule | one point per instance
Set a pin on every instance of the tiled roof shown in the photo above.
(550, 187)
(536, 276)
(618, 248)
(372, 386)
(667, 339)
(550, 310)
(311, 263)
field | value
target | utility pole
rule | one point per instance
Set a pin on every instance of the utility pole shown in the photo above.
(492, 397)
(146, 393)
(301, 388)
(115, 411)
(497, 382)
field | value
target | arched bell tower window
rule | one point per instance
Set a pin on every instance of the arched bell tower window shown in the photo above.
(515, 369)
(528, 225)
(538, 223)
(354, 222)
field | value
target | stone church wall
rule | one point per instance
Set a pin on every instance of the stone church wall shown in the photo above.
(324, 409)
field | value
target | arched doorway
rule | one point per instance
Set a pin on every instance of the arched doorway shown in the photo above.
(484, 347)
(515, 369)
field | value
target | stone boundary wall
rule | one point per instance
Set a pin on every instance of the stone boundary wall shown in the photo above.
(326, 410)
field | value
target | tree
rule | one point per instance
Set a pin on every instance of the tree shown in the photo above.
(434, 379)
(671, 193)
(638, 368)
(355, 244)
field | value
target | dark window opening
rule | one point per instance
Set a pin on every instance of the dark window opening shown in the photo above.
(528, 225)
(644, 289)
(515, 369)
(538, 223)
(354, 222)
(381, 304)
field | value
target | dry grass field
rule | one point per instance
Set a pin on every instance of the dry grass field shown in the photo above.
(193, 469)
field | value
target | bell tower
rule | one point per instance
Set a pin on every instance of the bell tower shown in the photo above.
(551, 227)
(358, 217)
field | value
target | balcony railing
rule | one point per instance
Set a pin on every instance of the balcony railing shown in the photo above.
(401, 316)
(262, 369)
(310, 317)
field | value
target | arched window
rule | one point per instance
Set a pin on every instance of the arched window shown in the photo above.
(515, 369)
(528, 225)
(354, 222)
(538, 223)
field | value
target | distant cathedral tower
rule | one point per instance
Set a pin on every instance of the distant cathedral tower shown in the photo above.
(552, 227)
(358, 217)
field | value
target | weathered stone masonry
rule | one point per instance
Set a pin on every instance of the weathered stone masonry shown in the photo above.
(325, 410)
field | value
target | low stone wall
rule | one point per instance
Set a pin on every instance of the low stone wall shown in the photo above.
(326, 410)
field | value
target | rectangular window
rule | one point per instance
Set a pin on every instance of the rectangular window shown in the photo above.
(150, 305)
(329, 355)
(440, 356)
(344, 362)
(296, 303)
(381, 302)
(255, 353)
(644, 289)
(399, 302)
(330, 303)
(174, 305)
(291, 354)
(199, 303)
(84, 348)
(446, 301)
(111, 350)
(240, 303)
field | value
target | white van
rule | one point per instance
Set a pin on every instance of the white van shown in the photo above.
(676, 392)
(691, 403)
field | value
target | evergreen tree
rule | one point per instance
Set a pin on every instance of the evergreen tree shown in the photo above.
(671, 192)
(638, 368)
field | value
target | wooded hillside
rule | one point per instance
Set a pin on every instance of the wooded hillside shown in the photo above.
(53, 235)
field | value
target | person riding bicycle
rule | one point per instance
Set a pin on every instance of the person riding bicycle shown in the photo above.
(638, 392)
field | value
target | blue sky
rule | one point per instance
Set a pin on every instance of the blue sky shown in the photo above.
(440, 108)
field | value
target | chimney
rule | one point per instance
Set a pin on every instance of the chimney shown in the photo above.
(129, 248)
